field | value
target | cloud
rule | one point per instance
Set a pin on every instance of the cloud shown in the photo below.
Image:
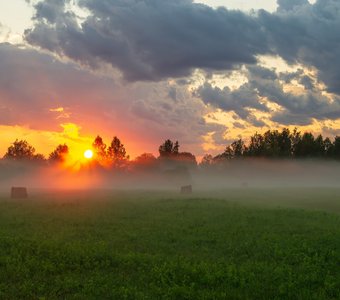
(298, 109)
(307, 82)
(32, 83)
(239, 100)
(50, 10)
(149, 40)
(307, 34)
(289, 5)
(153, 40)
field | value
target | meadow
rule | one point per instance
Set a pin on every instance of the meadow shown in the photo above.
(235, 244)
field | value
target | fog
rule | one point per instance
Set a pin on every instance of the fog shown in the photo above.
(241, 174)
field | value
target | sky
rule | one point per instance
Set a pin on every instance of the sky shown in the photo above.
(201, 72)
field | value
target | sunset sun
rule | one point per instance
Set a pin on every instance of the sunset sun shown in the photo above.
(88, 154)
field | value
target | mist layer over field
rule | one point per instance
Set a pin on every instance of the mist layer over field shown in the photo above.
(251, 229)
(248, 173)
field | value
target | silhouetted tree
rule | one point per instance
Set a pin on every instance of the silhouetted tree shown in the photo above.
(59, 154)
(336, 147)
(168, 149)
(20, 150)
(295, 141)
(305, 147)
(319, 149)
(276, 144)
(329, 148)
(235, 150)
(99, 148)
(256, 146)
(285, 143)
(116, 153)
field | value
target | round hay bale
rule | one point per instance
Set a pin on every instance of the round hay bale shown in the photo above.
(19, 193)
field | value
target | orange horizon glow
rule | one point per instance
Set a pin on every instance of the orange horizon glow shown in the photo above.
(78, 140)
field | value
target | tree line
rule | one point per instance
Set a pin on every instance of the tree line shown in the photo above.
(113, 155)
(283, 144)
(273, 144)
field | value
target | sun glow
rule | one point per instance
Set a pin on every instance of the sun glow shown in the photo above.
(88, 154)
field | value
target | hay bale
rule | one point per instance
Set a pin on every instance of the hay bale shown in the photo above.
(19, 193)
(186, 189)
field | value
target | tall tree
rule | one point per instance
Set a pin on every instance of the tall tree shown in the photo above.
(295, 141)
(168, 149)
(319, 147)
(305, 147)
(20, 150)
(116, 153)
(99, 148)
(235, 150)
(329, 148)
(336, 147)
(256, 146)
(59, 154)
(285, 143)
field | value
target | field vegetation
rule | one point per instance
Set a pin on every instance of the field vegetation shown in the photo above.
(238, 244)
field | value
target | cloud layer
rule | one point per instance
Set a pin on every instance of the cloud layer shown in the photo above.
(150, 40)
(157, 47)
(153, 40)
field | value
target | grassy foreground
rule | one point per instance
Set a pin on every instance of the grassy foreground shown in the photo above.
(160, 246)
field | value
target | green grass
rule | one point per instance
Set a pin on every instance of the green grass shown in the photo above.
(243, 244)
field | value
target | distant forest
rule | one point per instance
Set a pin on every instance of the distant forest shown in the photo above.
(272, 144)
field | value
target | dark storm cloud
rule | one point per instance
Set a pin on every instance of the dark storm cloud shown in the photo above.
(308, 34)
(307, 82)
(263, 73)
(298, 109)
(49, 10)
(154, 39)
(287, 118)
(255, 121)
(287, 77)
(150, 40)
(237, 100)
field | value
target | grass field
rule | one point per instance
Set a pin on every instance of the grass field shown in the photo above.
(238, 244)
